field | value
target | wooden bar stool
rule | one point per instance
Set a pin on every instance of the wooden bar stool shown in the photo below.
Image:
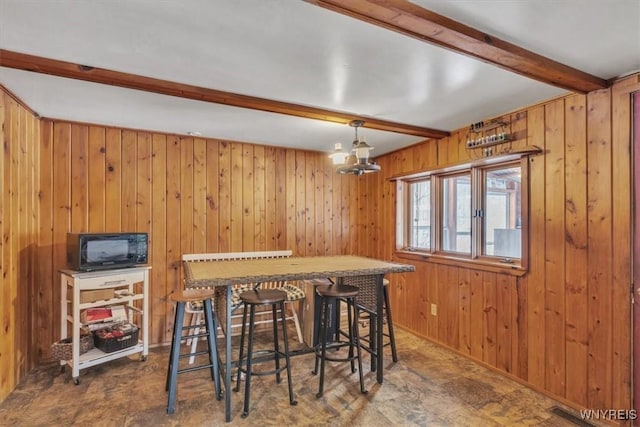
(328, 296)
(276, 299)
(181, 298)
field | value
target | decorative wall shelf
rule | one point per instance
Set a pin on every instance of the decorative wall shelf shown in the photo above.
(487, 139)
(483, 127)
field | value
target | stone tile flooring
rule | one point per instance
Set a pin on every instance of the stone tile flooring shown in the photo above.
(429, 386)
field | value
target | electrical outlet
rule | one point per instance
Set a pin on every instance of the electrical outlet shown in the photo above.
(434, 310)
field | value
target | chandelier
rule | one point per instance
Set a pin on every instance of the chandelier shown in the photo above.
(359, 163)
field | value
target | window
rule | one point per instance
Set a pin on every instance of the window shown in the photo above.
(420, 220)
(456, 213)
(470, 212)
(502, 215)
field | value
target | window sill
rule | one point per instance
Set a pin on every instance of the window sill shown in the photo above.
(495, 267)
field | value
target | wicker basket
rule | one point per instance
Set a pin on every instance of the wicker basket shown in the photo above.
(63, 349)
(112, 344)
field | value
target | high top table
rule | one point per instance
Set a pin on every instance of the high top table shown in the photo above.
(223, 274)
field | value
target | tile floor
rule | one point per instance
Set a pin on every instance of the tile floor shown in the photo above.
(429, 386)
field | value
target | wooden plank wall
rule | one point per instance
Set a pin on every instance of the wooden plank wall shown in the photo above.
(19, 222)
(563, 328)
(190, 195)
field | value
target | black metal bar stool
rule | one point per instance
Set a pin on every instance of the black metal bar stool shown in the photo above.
(182, 298)
(259, 297)
(387, 319)
(329, 296)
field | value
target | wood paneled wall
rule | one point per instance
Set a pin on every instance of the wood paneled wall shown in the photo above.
(19, 222)
(564, 327)
(190, 195)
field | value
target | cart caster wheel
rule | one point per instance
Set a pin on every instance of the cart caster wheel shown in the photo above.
(143, 358)
(63, 369)
(76, 381)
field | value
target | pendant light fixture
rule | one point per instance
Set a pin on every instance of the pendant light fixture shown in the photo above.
(358, 163)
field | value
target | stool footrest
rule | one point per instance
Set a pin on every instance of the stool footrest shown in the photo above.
(263, 356)
(199, 335)
(363, 340)
(336, 345)
(332, 345)
(195, 368)
(340, 359)
(264, 373)
(197, 353)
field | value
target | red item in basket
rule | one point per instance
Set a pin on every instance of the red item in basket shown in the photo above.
(98, 313)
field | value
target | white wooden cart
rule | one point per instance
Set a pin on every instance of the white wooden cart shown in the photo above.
(129, 285)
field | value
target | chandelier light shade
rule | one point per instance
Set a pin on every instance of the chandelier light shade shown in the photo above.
(358, 163)
(338, 157)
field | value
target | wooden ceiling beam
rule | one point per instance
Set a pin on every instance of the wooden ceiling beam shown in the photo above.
(414, 21)
(131, 81)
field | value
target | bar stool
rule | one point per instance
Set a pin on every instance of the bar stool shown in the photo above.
(329, 296)
(262, 297)
(181, 298)
(387, 319)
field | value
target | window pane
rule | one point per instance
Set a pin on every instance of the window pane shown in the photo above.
(502, 214)
(420, 215)
(456, 214)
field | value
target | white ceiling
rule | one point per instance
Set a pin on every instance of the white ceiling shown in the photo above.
(293, 51)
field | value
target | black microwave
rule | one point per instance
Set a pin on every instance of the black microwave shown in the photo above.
(100, 251)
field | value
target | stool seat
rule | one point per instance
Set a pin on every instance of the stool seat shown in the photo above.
(337, 291)
(192, 295)
(263, 296)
